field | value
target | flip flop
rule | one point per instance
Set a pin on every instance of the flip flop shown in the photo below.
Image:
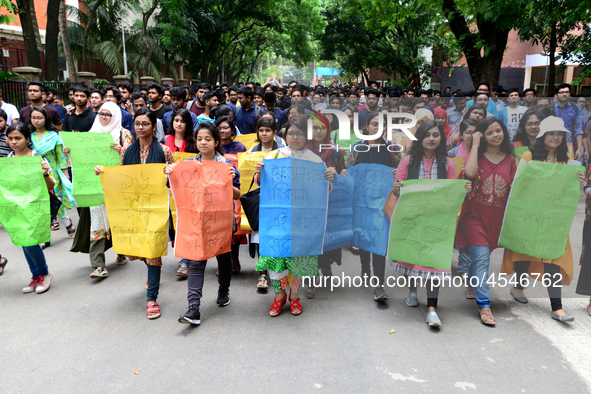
(3, 263)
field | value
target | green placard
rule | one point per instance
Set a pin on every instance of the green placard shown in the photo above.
(87, 150)
(24, 201)
(520, 150)
(424, 222)
(541, 209)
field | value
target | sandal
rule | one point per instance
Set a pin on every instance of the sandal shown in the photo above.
(3, 262)
(183, 271)
(276, 307)
(485, 316)
(153, 310)
(236, 267)
(295, 306)
(55, 225)
(71, 230)
(45, 245)
(263, 282)
(310, 292)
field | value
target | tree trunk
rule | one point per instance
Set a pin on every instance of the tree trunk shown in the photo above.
(145, 19)
(89, 23)
(51, 32)
(36, 27)
(70, 66)
(552, 66)
(24, 13)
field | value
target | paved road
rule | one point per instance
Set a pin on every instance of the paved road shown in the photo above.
(88, 335)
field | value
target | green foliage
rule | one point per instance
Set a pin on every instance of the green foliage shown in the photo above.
(7, 19)
(7, 76)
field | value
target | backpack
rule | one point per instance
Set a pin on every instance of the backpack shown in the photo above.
(257, 112)
(190, 104)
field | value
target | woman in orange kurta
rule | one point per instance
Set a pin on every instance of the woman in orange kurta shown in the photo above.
(549, 146)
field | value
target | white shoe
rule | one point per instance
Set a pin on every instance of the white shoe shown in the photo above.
(100, 272)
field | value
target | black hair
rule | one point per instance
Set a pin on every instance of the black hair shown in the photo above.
(41, 85)
(100, 92)
(562, 86)
(259, 92)
(151, 116)
(215, 133)
(179, 93)
(22, 128)
(266, 122)
(233, 88)
(282, 90)
(250, 83)
(353, 93)
(520, 134)
(539, 151)
(208, 96)
(513, 90)
(190, 88)
(139, 95)
(298, 124)
(52, 90)
(270, 97)
(222, 119)
(220, 110)
(191, 143)
(416, 150)
(157, 87)
(3, 114)
(369, 91)
(545, 111)
(298, 88)
(529, 90)
(369, 119)
(464, 124)
(436, 92)
(83, 89)
(204, 85)
(49, 126)
(125, 85)
(115, 91)
(221, 95)
(246, 91)
(485, 84)
(506, 145)
(498, 89)
(270, 113)
(472, 108)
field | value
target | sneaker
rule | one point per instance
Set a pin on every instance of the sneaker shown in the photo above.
(43, 283)
(191, 317)
(31, 287)
(223, 297)
(100, 272)
(121, 260)
(379, 294)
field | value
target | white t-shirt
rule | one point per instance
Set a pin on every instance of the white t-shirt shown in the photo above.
(513, 117)
(11, 111)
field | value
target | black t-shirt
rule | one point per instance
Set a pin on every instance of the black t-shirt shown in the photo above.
(161, 111)
(82, 122)
(25, 115)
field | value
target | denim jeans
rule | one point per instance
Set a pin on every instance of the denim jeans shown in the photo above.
(464, 260)
(36, 260)
(480, 256)
(153, 282)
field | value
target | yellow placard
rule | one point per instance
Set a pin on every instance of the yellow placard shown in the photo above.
(248, 140)
(180, 156)
(137, 207)
(246, 166)
(459, 162)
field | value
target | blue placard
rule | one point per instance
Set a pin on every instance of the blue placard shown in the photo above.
(339, 221)
(293, 206)
(373, 182)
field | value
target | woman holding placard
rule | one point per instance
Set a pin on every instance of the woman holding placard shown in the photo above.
(550, 147)
(426, 159)
(94, 219)
(47, 142)
(288, 271)
(18, 137)
(146, 149)
(491, 167)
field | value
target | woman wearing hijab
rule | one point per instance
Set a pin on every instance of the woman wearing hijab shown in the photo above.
(93, 235)
(441, 118)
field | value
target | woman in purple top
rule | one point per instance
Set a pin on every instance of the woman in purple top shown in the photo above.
(228, 133)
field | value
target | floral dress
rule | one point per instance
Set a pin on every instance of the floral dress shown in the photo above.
(57, 160)
(288, 271)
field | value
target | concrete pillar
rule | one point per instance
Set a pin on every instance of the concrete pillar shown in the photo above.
(147, 80)
(182, 81)
(86, 78)
(32, 73)
(120, 78)
(569, 74)
(527, 78)
(195, 82)
(167, 82)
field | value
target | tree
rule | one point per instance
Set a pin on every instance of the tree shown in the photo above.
(482, 31)
(51, 40)
(65, 36)
(549, 23)
(26, 15)
(7, 19)
(577, 47)
(90, 23)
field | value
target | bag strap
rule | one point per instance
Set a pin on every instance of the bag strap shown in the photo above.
(251, 183)
(276, 154)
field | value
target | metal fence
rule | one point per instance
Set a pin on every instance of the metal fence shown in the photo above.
(16, 93)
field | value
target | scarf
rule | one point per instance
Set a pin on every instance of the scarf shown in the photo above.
(155, 155)
(48, 142)
(114, 126)
(169, 141)
(219, 158)
(446, 127)
(325, 154)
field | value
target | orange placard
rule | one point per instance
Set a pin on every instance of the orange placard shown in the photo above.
(203, 196)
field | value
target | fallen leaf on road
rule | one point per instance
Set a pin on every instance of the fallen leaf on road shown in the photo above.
(137, 371)
(392, 331)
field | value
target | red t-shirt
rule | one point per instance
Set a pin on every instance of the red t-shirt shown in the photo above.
(482, 215)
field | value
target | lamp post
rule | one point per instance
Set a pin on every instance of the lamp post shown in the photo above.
(557, 58)
(123, 38)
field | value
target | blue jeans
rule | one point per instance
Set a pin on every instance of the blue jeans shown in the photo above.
(153, 282)
(36, 260)
(480, 256)
(464, 260)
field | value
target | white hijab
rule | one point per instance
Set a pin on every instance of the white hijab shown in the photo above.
(114, 126)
